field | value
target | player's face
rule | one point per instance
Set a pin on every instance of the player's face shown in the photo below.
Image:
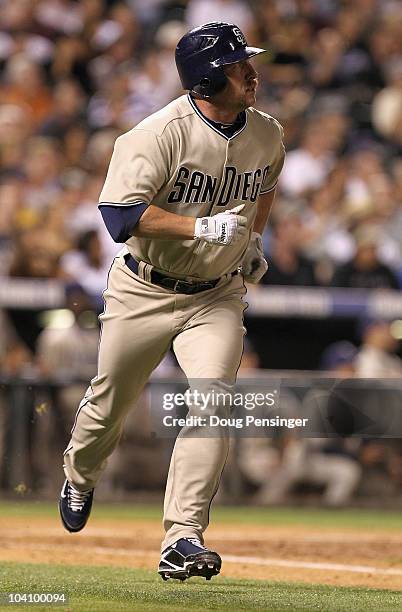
(242, 84)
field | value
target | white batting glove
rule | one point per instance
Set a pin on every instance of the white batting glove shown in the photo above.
(223, 228)
(254, 264)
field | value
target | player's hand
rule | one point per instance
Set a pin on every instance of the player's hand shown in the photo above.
(223, 228)
(254, 264)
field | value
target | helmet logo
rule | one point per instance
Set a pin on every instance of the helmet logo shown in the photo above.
(239, 36)
(208, 41)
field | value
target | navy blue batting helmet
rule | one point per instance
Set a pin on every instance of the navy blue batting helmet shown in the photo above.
(202, 53)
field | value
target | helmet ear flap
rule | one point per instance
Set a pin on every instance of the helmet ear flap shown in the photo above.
(203, 88)
(210, 85)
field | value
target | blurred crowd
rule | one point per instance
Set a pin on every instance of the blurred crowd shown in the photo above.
(76, 74)
(282, 467)
(334, 470)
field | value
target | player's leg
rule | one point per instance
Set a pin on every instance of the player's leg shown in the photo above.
(136, 334)
(209, 350)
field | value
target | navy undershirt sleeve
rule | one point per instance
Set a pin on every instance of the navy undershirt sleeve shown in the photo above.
(121, 219)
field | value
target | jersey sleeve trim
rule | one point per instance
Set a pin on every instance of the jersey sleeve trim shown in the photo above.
(120, 219)
(133, 203)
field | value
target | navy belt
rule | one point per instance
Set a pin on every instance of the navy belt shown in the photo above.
(174, 284)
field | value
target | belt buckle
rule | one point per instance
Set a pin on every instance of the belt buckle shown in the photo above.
(178, 284)
(205, 285)
(186, 287)
(183, 286)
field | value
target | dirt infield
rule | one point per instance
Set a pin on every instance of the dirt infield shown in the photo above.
(346, 557)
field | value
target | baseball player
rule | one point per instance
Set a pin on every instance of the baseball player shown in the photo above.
(188, 191)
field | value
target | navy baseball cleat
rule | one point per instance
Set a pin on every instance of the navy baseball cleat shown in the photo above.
(188, 557)
(75, 507)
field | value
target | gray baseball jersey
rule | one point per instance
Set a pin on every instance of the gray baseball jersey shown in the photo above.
(159, 162)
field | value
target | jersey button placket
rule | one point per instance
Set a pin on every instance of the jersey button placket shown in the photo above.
(216, 208)
(229, 153)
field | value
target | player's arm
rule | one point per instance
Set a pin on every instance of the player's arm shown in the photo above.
(158, 223)
(254, 264)
(223, 228)
(264, 207)
(150, 221)
(146, 221)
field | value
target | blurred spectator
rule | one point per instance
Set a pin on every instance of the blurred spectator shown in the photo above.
(70, 59)
(20, 31)
(87, 264)
(16, 362)
(10, 207)
(36, 256)
(365, 271)
(317, 461)
(377, 356)
(339, 358)
(61, 16)
(259, 457)
(74, 145)
(73, 187)
(307, 167)
(166, 39)
(41, 165)
(151, 86)
(328, 463)
(86, 215)
(365, 178)
(387, 105)
(25, 86)
(99, 151)
(15, 357)
(287, 265)
(15, 127)
(115, 40)
(393, 223)
(68, 109)
(231, 11)
(68, 346)
(382, 468)
(109, 106)
(327, 241)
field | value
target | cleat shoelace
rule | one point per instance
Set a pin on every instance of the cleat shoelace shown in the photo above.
(77, 499)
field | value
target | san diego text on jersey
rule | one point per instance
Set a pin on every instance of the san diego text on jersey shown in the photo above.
(197, 187)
